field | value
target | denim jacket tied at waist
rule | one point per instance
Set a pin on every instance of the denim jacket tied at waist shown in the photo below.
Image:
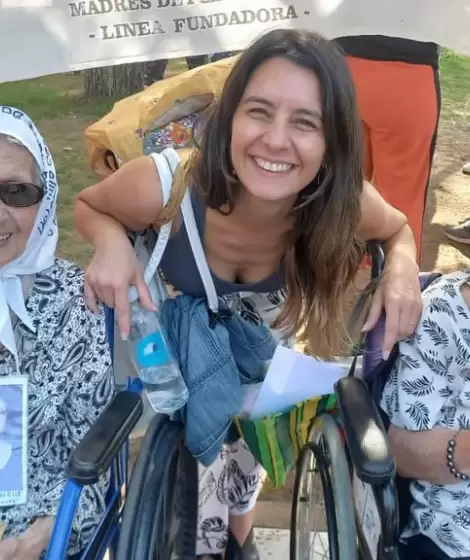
(215, 360)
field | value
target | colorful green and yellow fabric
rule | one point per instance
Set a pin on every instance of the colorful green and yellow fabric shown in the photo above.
(276, 440)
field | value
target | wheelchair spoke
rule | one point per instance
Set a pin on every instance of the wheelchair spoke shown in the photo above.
(318, 542)
(312, 541)
(322, 519)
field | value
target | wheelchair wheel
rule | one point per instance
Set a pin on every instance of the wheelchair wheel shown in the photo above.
(327, 496)
(159, 520)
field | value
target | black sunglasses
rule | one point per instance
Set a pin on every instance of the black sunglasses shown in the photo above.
(20, 195)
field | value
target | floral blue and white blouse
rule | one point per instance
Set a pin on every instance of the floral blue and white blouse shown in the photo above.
(68, 365)
(429, 387)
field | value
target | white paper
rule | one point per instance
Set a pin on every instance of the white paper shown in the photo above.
(292, 378)
(250, 394)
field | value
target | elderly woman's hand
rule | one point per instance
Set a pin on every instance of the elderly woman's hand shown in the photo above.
(30, 544)
(399, 294)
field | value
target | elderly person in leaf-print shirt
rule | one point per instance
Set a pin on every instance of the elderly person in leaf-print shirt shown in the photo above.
(427, 400)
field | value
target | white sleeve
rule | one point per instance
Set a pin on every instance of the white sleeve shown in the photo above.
(419, 389)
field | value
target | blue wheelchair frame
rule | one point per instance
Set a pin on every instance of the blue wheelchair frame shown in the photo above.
(104, 448)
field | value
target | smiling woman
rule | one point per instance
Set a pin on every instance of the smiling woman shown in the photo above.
(50, 344)
(20, 191)
(298, 114)
(292, 152)
(283, 213)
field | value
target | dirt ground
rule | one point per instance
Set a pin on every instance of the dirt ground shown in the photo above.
(448, 200)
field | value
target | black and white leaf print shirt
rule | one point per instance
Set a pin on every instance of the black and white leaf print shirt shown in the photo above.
(70, 383)
(429, 387)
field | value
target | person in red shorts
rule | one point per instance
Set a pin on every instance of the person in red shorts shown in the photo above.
(397, 86)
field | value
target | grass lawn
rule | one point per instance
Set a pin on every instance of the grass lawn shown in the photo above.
(57, 106)
(455, 88)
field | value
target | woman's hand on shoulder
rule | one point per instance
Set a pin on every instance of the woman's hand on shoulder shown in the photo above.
(399, 292)
(113, 269)
(129, 199)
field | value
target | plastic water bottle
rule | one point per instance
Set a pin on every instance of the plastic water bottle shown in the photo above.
(156, 366)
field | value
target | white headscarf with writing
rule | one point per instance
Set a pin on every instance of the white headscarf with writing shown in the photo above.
(39, 253)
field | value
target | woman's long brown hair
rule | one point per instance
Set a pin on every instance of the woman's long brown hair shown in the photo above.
(323, 252)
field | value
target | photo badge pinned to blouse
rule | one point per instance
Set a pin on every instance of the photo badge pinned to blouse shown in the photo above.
(13, 441)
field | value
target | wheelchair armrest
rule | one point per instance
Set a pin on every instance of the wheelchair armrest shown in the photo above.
(94, 454)
(365, 433)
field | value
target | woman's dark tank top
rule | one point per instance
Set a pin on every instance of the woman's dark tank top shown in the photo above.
(180, 270)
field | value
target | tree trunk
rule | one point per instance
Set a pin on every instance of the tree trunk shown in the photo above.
(114, 81)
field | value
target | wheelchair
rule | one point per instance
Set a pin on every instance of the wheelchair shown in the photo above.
(158, 519)
(105, 448)
(348, 451)
(347, 458)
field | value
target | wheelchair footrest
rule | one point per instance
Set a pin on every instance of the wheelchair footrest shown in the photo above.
(94, 454)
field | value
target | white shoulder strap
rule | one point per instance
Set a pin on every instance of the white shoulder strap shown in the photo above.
(166, 180)
(194, 239)
(166, 163)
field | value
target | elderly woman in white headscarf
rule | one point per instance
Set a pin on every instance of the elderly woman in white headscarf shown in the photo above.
(48, 336)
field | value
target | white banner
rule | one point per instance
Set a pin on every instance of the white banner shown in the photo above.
(39, 37)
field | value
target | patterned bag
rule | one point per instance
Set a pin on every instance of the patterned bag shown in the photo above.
(165, 115)
(276, 440)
